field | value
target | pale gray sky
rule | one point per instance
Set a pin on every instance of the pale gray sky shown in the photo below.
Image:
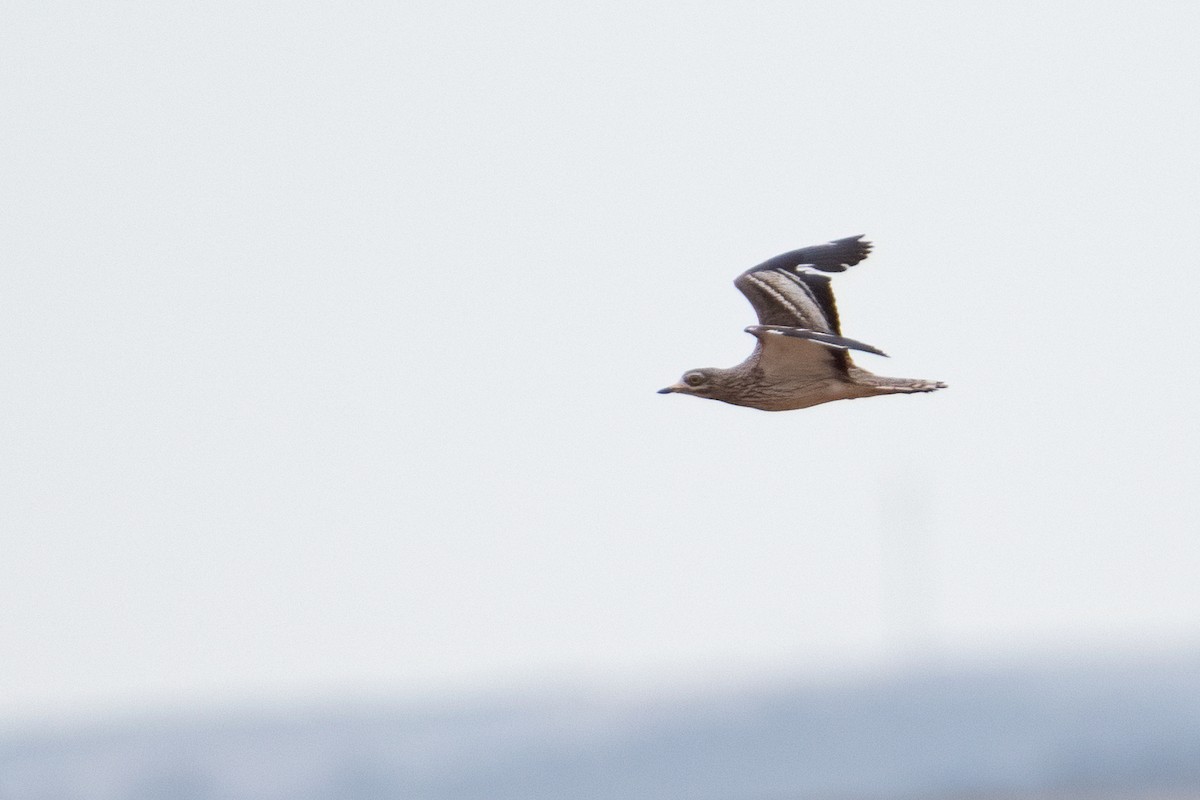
(330, 335)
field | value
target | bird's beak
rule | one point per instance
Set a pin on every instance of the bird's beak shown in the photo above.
(672, 388)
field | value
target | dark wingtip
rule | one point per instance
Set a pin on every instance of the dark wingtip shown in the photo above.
(835, 256)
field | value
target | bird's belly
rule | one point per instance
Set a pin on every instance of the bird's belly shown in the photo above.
(801, 395)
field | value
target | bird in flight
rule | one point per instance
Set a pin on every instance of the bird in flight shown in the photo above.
(801, 358)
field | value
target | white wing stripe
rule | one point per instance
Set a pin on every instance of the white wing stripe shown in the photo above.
(796, 279)
(811, 314)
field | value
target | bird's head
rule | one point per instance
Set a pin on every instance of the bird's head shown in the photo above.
(698, 382)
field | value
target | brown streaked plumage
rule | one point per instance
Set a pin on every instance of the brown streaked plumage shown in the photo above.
(801, 358)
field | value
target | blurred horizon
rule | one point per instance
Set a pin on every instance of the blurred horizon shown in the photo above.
(813, 675)
(1080, 728)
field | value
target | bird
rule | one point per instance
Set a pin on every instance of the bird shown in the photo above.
(801, 358)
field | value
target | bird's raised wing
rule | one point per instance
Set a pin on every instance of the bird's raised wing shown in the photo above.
(799, 336)
(785, 292)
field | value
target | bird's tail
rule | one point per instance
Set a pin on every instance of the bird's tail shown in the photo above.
(882, 385)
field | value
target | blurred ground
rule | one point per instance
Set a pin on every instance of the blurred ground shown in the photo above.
(1115, 728)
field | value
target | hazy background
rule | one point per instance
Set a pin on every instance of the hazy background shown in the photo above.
(330, 335)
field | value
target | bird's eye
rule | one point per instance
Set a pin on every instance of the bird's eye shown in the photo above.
(694, 378)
